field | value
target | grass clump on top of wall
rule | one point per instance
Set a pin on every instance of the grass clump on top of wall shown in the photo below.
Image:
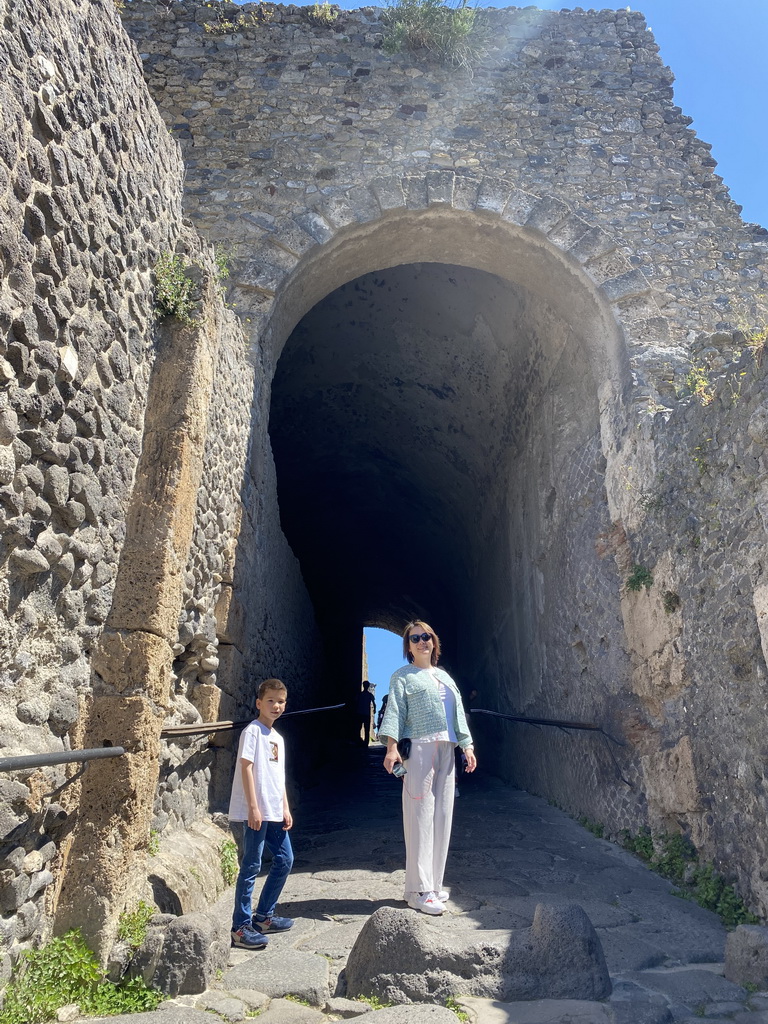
(456, 36)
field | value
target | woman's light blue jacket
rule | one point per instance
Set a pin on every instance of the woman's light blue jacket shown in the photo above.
(414, 708)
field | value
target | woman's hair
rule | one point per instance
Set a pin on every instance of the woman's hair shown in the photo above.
(418, 625)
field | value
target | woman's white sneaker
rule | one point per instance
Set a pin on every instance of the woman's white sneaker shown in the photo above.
(443, 896)
(427, 903)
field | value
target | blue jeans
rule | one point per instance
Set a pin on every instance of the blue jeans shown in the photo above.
(279, 844)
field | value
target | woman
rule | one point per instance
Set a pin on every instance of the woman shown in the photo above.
(425, 707)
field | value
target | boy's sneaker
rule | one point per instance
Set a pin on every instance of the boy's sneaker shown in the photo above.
(248, 938)
(272, 924)
(427, 903)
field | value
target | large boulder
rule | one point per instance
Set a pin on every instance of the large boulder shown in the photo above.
(182, 955)
(401, 957)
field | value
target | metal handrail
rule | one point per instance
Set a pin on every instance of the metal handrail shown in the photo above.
(21, 761)
(564, 727)
(201, 728)
(556, 722)
(11, 764)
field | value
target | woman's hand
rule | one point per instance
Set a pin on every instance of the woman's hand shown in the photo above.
(392, 757)
(469, 754)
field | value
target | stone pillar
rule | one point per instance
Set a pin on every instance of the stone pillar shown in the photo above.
(132, 661)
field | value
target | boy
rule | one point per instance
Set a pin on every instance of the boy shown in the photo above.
(259, 807)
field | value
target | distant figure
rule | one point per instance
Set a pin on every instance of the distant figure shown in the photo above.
(382, 709)
(366, 705)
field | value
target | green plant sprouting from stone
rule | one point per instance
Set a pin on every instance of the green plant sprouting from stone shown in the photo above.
(641, 843)
(595, 827)
(174, 289)
(153, 843)
(66, 971)
(699, 385)
(222, 24)
(453, 1004)
(323, 14)
(670, 601)
(639, 577)
(374, 1002)
(222, 259)
(455, 36)
(228, 859)
(132, 925)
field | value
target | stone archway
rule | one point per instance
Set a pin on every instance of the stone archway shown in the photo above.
(554, 319)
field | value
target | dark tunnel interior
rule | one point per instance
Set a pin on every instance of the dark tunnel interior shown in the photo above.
(402, 415)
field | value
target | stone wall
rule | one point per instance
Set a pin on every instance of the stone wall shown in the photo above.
(90, 180)
(109, 424)
(277, 115)
(676, 670)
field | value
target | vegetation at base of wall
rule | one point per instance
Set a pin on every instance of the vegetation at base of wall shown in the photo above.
(455, 36)
(323, 14)
(153, 843)
(639, 577)
(132, 925)
(374, 1002)
(595, 827)
(66, 971)
(228, 860)
(641, 844)
(674, 856)
(452, 1004)
(173, 288)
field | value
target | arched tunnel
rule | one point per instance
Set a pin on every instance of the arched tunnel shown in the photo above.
(432, 424)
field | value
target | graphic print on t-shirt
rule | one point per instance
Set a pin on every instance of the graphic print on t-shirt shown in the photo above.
(273, 751)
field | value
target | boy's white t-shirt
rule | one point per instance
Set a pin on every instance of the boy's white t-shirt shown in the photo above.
(265, 749)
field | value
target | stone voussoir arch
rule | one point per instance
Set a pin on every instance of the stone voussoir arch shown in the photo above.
(623, 288)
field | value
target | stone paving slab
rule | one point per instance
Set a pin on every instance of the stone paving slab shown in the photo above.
(511, 851)
(415, 1013)
(692, 988)
(539, 1011)
(285, 1011)
(166, 1013)
(281, 972)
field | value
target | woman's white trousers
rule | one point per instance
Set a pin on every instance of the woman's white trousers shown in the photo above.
(428, 791)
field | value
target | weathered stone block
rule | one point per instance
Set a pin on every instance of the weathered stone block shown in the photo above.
(231, 669)
(230, 617)
(195, 948)
(134, 661)
(400, 957)
(746, 956)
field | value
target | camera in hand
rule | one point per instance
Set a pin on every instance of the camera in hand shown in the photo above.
(398, 770)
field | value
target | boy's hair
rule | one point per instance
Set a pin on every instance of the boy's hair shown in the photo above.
(271, 684)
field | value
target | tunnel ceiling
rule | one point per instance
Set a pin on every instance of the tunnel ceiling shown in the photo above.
(398, 404)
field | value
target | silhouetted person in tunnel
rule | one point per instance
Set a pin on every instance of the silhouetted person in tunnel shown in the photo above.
(382, 709)
(423, 723)
(366, 705)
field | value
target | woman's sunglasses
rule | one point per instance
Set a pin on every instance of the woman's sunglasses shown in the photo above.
(416, 637)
